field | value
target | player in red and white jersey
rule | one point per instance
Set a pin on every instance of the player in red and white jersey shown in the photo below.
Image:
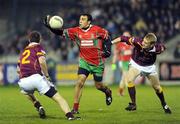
(94, 46)
(33, 75)
(122, 54)
(143, 60)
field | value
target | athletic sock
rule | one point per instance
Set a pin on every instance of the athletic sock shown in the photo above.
(105, 90)
(76, 106)
(132, 94)
(161, 97)
(37, 104)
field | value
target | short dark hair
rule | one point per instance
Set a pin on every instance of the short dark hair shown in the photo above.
(88, 15)
(35, 36)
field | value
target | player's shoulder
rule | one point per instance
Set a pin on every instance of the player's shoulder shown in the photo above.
(35, 46)
(159, 44)
(137, 39)
(97, 27)
(73, 28)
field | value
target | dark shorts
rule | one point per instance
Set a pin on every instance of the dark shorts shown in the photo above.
(86, 69)
(51, 92)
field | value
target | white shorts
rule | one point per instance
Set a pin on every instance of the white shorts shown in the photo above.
(34, 82)
(145, 69)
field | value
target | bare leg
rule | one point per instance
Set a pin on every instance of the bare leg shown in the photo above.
(61, 102)
(78, 92)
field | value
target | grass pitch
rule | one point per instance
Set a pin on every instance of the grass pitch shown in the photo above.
(16, 109)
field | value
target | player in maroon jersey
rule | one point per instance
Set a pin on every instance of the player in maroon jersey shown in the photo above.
(143, 63)
(33, 75)
(94, 46)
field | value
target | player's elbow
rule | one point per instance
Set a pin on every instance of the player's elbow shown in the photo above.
(106, 54)
(107, 48)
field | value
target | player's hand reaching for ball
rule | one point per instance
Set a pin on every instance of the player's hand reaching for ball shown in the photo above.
(46, 20)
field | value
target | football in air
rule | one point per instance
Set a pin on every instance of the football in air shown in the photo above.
(56, 22)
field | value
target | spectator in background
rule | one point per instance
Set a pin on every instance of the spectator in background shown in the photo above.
(140, 25)
(110, 13)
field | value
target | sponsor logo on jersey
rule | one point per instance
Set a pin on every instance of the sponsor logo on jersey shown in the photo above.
(87, 43)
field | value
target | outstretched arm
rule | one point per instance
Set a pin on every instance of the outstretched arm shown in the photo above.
(127, 40)
(116, 40)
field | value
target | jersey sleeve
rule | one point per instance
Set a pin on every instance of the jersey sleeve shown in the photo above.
(70, 33)
(103, 33)
(40, 51)
(160, 47)
(134, 41)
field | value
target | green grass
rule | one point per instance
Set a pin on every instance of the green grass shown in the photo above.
(16, 109)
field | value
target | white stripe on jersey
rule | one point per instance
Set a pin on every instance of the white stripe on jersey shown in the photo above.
(87, 43)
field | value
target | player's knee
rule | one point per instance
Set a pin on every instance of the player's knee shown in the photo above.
(80, 83)
(158, 88)
(130, 84)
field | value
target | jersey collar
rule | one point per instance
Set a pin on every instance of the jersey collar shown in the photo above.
(87, 29)
(32, 43)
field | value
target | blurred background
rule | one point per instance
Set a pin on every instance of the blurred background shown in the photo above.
(18, 17)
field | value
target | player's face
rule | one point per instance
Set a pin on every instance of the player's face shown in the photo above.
(83, 22)
(146, 44)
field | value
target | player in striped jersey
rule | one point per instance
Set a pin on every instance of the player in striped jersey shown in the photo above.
(143, 60)
(34, 75)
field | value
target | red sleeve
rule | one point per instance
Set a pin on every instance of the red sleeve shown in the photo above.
(103, 33)
(70, 33)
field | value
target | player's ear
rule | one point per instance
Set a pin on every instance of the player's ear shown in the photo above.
(89, 22)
